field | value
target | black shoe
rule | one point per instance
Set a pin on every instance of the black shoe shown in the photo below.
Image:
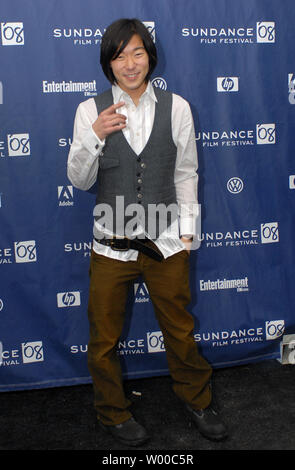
(129, 433)
(208, 423)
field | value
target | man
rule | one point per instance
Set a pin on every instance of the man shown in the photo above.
(139, 144)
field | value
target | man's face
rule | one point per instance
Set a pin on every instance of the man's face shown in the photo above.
(131, 67)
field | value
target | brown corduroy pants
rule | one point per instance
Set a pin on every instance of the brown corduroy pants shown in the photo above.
(168, 286)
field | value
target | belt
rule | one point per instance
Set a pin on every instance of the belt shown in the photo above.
(125, 244)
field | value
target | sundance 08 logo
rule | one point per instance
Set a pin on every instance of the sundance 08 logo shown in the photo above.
(79, 248)
(88, 36)
(263, 134)
(150, 25)
(12, 34)
(262, 32)
(130, 347)
(271, 330)
(18, 145)
(24, 252)
(80, 36)
(267, 233)
(155, 342)
(291, 182)
(270, 232)
(291, 87)
(266, 134)
(274, 329)
(31, 351)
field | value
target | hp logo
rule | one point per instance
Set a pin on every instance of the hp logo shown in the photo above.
(227, 84)
(68, 299)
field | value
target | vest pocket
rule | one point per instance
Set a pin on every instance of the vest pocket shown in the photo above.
(105, 163)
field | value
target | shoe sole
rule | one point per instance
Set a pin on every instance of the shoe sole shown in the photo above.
(131, 443)
(221, 437)
(215, 438)
(126, 442)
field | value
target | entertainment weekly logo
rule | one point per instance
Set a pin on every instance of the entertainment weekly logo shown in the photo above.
(240, 285)
(87, 88)
(262, 33)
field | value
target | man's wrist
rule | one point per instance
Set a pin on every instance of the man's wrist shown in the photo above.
(188, 238)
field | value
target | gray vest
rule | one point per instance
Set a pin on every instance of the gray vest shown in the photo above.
(134, 188)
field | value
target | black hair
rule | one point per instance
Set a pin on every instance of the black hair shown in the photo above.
(116, 38)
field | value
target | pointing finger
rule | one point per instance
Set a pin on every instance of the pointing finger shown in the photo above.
(112, 109)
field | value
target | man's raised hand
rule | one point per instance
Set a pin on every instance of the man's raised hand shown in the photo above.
(109, 121)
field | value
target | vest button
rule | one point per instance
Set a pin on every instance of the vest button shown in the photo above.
(143, 165)
(139, 195)
(139, 180)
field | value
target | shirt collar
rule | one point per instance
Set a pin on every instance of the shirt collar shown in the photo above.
(120, 95)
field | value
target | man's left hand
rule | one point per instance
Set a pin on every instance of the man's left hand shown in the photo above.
(187, 242)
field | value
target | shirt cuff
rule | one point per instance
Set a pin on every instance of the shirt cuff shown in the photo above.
(93, 143)
(187, 226)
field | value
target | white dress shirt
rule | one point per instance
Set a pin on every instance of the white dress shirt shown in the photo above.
(83, 160)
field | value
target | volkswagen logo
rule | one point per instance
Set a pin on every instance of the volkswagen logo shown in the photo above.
(159, 82)
(235, 185)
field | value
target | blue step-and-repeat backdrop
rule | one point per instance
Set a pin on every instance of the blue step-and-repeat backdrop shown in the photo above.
(233, 60)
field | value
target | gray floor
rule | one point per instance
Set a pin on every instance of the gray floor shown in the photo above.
(257, 402)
